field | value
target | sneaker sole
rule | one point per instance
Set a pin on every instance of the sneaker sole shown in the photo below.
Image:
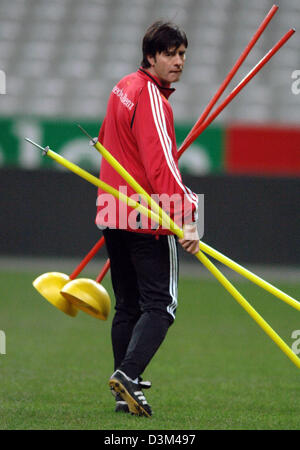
(133, 405)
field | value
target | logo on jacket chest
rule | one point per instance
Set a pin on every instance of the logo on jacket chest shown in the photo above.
(123, 97)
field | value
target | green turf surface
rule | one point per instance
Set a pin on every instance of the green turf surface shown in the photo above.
(216, 369)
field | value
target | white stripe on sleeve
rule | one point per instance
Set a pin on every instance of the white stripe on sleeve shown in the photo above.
(165, 140)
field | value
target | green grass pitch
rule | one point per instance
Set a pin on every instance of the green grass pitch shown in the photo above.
(216, 370)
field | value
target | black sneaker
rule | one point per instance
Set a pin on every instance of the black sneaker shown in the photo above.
(131, 393)
(121, 405)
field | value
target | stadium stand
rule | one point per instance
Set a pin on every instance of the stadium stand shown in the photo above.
(61, 58)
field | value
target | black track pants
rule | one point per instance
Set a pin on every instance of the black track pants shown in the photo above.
(144, 272)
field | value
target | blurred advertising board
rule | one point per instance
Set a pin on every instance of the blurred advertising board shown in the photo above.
(234, 149)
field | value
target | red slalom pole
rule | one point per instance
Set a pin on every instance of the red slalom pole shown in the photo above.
(231, 74)
(203, 125)
(104, 271)
(87, 258)
(237, 89)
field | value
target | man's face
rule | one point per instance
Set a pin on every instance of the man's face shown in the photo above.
(168, 65)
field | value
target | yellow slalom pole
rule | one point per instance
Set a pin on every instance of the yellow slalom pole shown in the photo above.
(199, 255)
(204, 247)
(249, 275)
(97, 182)
(249, 309)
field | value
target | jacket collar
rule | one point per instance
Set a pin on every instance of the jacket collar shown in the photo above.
(166, 91)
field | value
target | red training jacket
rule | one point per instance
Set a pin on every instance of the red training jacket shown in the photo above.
(138, 130)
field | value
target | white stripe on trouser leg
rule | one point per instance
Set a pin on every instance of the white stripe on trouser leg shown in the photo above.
(173, 276)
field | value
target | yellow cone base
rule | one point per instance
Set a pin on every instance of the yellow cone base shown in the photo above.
(88, 296)
(49, 286)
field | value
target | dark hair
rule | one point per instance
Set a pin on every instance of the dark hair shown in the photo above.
(161, 36)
